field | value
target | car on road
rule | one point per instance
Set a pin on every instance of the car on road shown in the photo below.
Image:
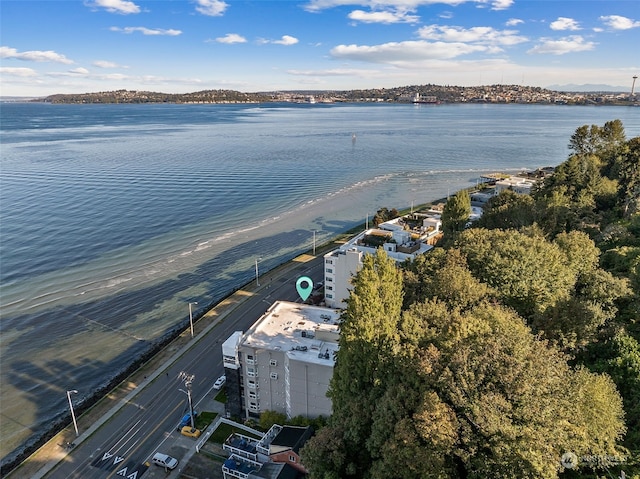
(163, 460)
(220, 382)
(186, 420)
(190, 431)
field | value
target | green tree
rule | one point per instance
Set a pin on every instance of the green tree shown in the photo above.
(326, 454)
(555, 210)
(368, 337)
(629, 175)
(508, 210)
(595, 140)
(620, 358)
(587, 187)
(269, 418)
(477, 395)
(456, 213)
(529, 273)
(443, 274)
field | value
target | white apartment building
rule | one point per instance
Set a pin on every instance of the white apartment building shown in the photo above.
(342, 264)
(283, 363)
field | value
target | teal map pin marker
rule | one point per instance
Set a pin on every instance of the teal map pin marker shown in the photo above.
(304, 285)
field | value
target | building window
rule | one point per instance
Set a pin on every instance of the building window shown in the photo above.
(273, 362)
(252, 385)
(292, 458)
(329, 278)
(329, 296)
(329, 270)
(274, 376)
(329, 288)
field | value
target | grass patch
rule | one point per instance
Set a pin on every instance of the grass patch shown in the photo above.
(221, 396)
(225, 430)
(204, 419)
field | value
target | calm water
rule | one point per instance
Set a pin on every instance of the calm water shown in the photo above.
(114, 217)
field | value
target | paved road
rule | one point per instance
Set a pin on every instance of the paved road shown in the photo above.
(125, 443)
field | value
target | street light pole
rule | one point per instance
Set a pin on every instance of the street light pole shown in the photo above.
(73, 414)
(191, 317)
(314, 242)
(188, 381)
(257, 276)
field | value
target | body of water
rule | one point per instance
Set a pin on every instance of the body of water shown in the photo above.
(115, 217)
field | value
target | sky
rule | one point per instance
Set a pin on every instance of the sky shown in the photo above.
(181, 46)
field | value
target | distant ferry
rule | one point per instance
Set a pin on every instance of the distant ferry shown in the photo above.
(426, 99)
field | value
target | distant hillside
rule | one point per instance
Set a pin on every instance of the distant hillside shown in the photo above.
(404, 94)
(590, 88)
(13, 99)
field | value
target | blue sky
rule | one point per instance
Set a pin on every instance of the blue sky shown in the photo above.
(52, 46)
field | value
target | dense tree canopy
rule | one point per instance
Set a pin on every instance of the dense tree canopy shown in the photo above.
(508, 210)
(453, 388)
(515, 342)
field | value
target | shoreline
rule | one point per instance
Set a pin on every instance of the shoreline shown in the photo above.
(103, 399)
(331, 215)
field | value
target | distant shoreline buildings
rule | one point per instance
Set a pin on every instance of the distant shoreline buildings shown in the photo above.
(436, 94)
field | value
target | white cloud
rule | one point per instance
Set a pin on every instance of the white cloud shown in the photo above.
(79, 71)
(564, 23)
(512, 22)
(617, 22)
(573, 43)
(116, 6)
(18, 72)
(34, 55)
(484, 35)
(400, 5)
(231, 38)
(332, 72)
(501, 4)
(286, 40)
(212, 8)
(398, 52)
(106, 64)
(383, 17)
(146, 31)
(113, 76)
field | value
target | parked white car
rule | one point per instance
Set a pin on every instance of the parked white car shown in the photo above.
(165, 461)
(220, 382)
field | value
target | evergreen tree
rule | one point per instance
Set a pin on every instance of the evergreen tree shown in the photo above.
(456, 213)
(629, 175)
(369, 338)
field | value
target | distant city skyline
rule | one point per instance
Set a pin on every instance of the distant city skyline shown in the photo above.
(49, 47)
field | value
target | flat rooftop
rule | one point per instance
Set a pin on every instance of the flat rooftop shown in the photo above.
(305, 332)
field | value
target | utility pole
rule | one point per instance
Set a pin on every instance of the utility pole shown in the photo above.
(188, 381)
